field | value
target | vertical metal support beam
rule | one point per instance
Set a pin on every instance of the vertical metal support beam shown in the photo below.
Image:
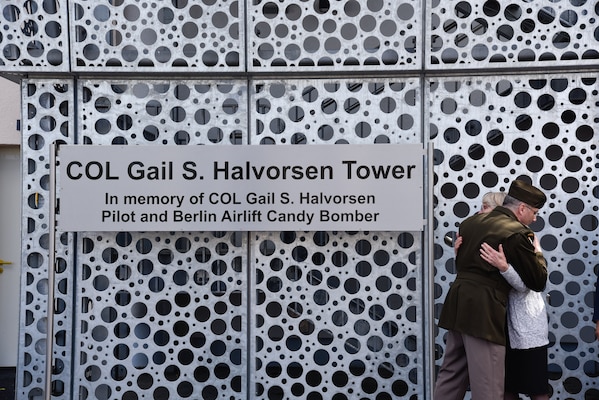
(428, 278)
(51, 272)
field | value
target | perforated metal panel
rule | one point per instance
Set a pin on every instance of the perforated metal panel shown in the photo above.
(33, 36)
(338, 315)
(163, 112)
(523, 33)
(156, 36)
(162, 316)
(340, 111)
(47, 112)
(334, 35)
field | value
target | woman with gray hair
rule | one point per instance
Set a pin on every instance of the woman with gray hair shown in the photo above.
(492, 200)
(528, 328)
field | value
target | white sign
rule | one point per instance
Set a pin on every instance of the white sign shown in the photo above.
(240, 188)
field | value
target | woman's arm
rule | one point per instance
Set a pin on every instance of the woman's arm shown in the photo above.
(497, 259)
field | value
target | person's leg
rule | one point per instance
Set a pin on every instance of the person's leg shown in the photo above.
(486, 365)
(526, 373)
(452, 380)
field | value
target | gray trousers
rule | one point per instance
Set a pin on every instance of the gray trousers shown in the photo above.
(471, 361)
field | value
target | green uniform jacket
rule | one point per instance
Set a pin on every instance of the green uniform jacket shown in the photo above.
(477, 299)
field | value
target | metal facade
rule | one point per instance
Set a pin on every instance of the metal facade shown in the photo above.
(500, 90)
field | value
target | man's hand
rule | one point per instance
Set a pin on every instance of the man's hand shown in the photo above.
(597, 330)
(494, 257)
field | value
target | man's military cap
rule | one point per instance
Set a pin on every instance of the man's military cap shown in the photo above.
(526, 193)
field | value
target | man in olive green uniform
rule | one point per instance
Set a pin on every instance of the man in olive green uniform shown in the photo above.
(474, 312)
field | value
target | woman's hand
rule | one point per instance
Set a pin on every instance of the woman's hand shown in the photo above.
(457, 244)
(494, 257)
